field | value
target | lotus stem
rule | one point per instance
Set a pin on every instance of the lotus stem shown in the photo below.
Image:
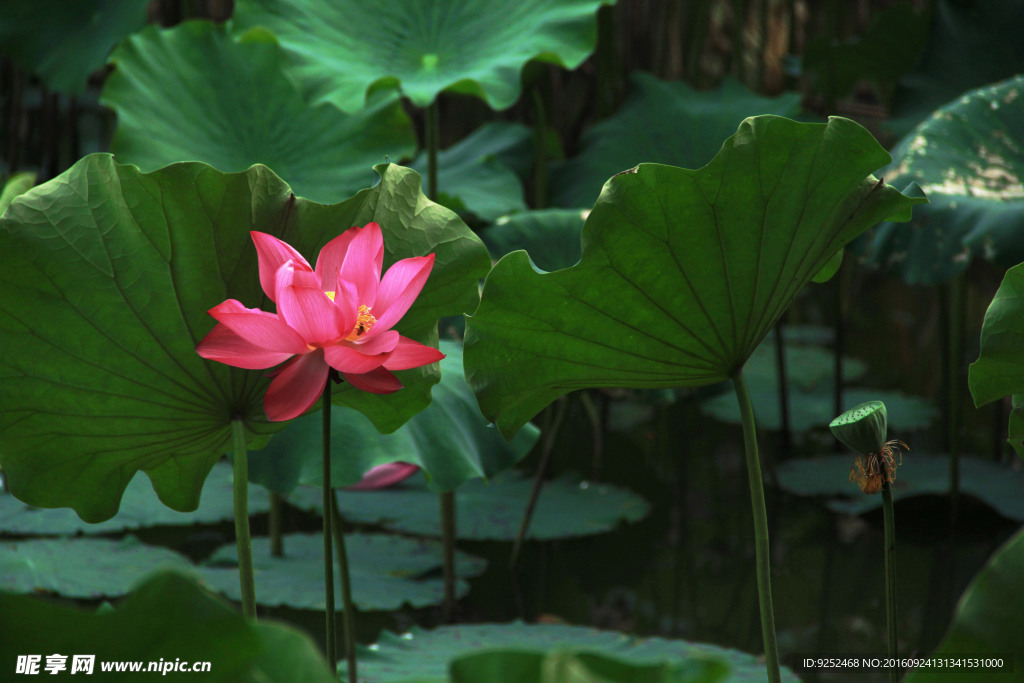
(890, 572)
(349, 614)
(327, 497)
(275, 524)
(432, 136)
(240, 460)
(761, 545)
(448, 542)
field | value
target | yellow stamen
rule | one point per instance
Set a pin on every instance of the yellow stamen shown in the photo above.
(363, 323)
(330, 295)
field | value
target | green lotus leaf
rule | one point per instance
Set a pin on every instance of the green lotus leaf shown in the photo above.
(140, 508)
(450, 440)
(920, 475)
(387, 571)
(168, 618)
(422, 655)
(683, 272)
(63, 42)
(472, 177)
(240, 109)
(999, 370)
(103, 297)
(551, 236)
(966, 157)
(559, 666)
(102, 567)
(971, 43)
(487, 511)
(340, 50)
(661, 122)
(17, 183)
(987, 622)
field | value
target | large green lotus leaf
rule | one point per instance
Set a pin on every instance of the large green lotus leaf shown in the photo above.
(17, 183)
(988, 622)
(999, 370)
(140, 508)
(994, 484)
(471, 175)
(107, 278)
(422, 655)
(567, 508)
(966, 157)
(81, 567)
(972, 42)
(560, 666)
(240, 109)
(683, 272)
(450, 440)
(662, 122)
(387, 571)
(551, 236)
(63, 42)
(342, 48)
(167, 618)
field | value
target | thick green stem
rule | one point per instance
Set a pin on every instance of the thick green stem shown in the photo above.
(432, 138)
(448, 541)
(240, 459)
(349, 615)
(890, 573)
(763, 557)
(327, 497)
(275, 524)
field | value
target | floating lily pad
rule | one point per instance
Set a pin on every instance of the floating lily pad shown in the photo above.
(63, 42)
(341, 49)
(551, 236)
(558, 666)
(683, 272)
(240, 109)
(987, 623)
(387, 571)
(471, 176)
(567, 507)
(122, 267)
(810, 393)
(967, 158)
(996, 485)
(662, 122)
(140, 508)
(168, 618)
(424, 655)
(450, 440)
(82, 567)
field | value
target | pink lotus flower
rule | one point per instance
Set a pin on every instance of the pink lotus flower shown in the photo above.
(338, 315)
(383, 476)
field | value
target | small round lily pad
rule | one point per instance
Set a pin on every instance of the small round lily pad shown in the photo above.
(567, 507)
(387, 571)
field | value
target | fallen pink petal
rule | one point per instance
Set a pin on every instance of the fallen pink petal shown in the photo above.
(337, 315)
(383, 476)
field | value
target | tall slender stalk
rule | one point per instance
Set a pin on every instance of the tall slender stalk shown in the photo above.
(890, 573)
(761, 546)
(447, 500)
(349, 615)
(326, 499)
(240, 460)
(432, 136)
